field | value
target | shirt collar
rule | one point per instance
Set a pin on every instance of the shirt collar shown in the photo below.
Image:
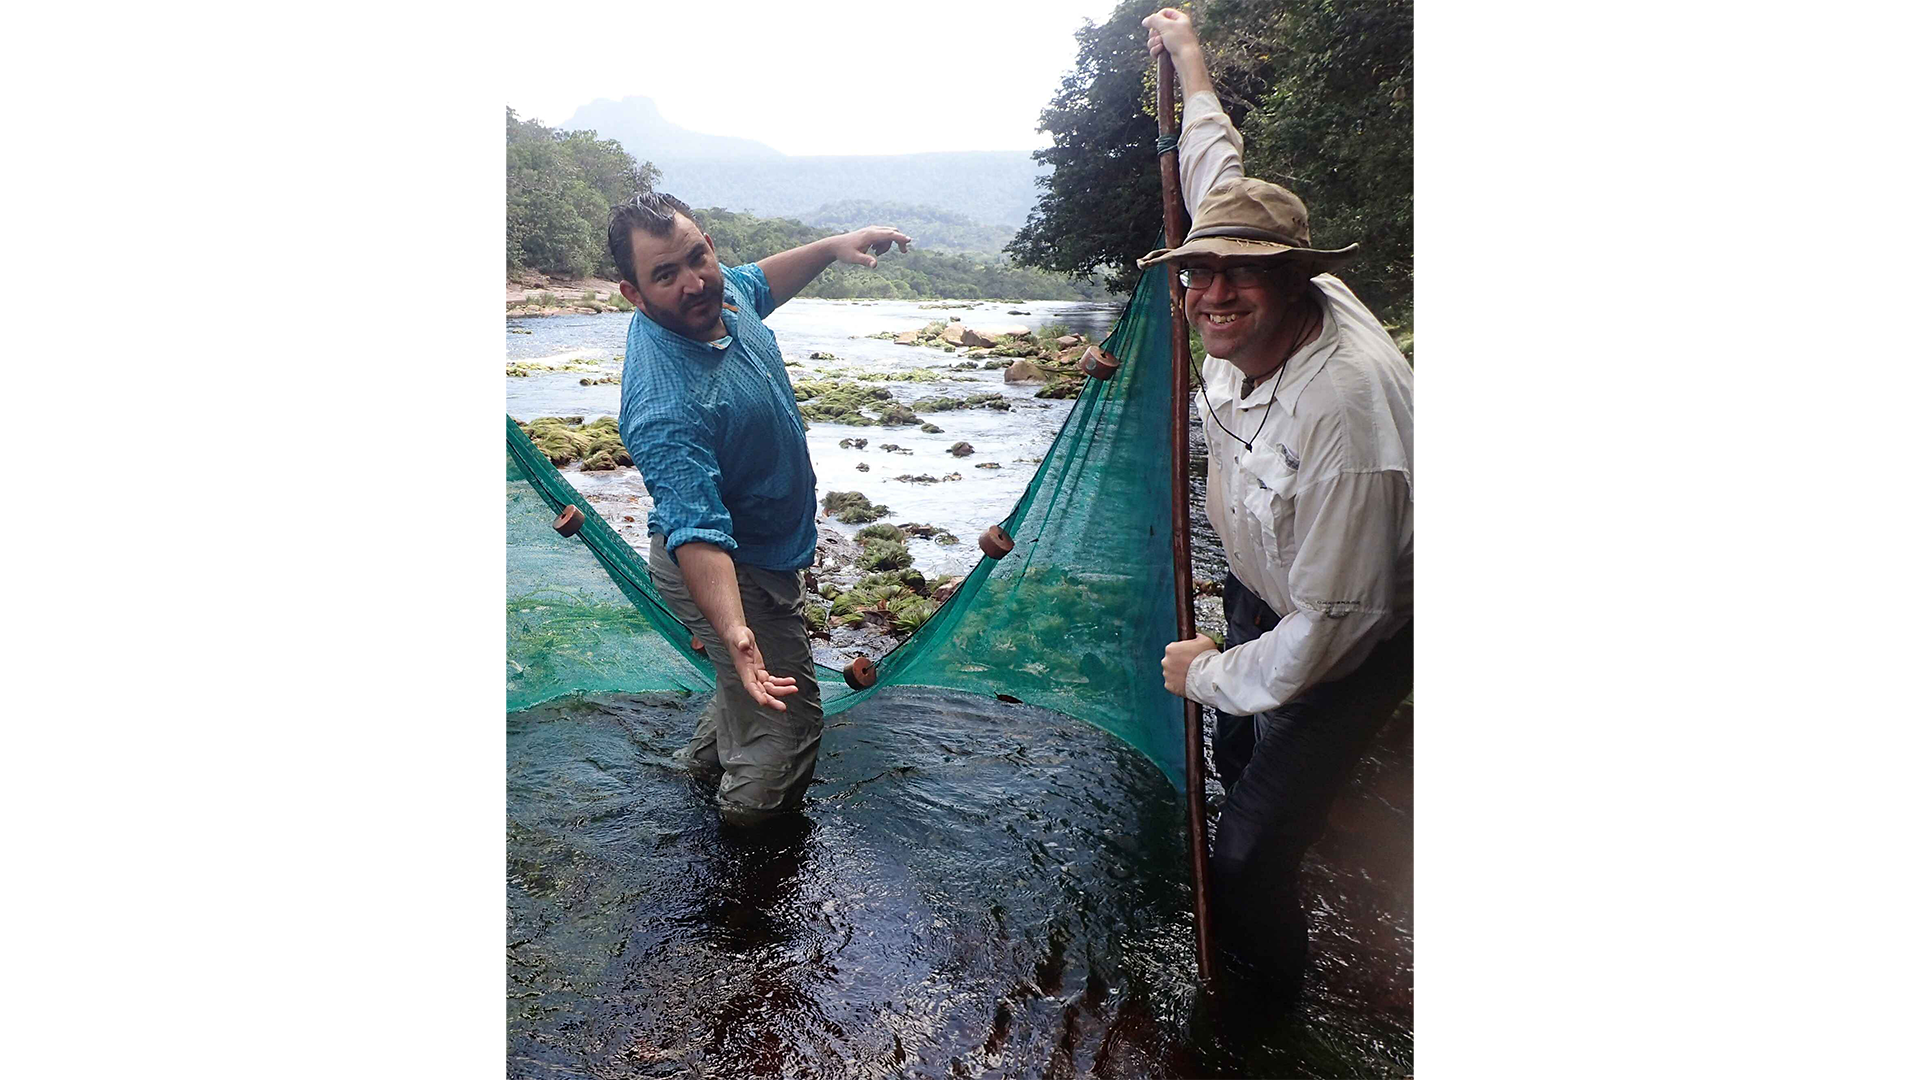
(1301, 369)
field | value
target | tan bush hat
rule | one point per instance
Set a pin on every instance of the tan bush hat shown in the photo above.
(1245, 217)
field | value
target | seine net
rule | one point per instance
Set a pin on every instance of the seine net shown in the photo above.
(1074, 620)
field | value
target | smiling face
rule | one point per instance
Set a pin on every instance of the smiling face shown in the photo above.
(680, 284)
(1241, 322)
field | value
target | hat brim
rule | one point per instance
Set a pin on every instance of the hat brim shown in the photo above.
(1234, 247)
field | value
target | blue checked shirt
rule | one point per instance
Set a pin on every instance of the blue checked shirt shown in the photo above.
(717, 436)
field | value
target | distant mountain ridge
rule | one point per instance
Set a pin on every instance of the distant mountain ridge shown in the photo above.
(932, 229)
(636, 122)
(993, 187)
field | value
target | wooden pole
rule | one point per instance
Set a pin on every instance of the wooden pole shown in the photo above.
(1175, 213)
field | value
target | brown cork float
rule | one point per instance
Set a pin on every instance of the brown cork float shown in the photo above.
(1096, 364)
(861, 674)
(996, 543)
(569, 521)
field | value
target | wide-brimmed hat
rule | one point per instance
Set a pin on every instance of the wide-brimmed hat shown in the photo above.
(1244, 217)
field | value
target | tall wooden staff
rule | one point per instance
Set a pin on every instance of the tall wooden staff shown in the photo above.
(1175, 213)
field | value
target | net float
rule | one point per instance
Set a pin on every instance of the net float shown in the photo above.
(569, 521)
(861, 673)
(996, 543)
(1096, 364)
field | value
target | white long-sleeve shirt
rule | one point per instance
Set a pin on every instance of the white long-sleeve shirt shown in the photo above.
(1317, 517)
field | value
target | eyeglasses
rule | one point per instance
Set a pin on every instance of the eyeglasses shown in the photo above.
(1240, 277)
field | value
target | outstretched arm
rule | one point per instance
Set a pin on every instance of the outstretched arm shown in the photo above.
(788, 272)
(1169, 30)
(1210, 148)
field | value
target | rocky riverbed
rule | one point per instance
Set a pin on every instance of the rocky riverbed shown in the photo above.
(925, 424)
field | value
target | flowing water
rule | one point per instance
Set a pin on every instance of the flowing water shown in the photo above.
(594, 346)
(977, 889)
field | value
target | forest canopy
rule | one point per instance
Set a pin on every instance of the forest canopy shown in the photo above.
(561, 185)
(1321, 89)
(916, 275)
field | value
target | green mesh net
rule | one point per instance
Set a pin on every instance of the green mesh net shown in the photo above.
(1074, 620)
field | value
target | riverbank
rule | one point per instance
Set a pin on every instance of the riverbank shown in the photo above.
(941, 410)
(532, 294)
(866, 591)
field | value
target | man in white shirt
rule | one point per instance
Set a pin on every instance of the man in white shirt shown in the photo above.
(1307, 407)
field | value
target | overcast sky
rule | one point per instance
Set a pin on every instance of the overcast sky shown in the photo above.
(856, 77)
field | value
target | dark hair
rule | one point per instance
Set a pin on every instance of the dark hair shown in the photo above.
(650, 211)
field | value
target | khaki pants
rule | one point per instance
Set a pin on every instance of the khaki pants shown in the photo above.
(765, 756)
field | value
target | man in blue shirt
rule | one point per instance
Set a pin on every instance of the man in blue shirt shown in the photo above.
(709, 417)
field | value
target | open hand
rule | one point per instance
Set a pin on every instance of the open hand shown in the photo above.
(1180, 656)
(766, 687)
(874, 238)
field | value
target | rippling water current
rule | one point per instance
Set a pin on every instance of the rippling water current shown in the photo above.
(976, 890)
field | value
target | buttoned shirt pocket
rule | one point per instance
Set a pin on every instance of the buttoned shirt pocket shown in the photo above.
(1268, 500)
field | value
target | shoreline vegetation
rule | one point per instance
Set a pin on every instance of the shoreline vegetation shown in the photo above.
(532, 294)
(1286, 78)
(562, 184)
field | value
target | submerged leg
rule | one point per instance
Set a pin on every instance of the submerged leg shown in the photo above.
(770, 757)
(1302, 756)
(701, 755)
(765, 756)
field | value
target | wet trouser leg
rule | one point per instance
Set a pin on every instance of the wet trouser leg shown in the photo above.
(766, 756)
(1301, 756)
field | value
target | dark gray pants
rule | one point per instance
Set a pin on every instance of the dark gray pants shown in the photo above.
(764, 757)
(1282, 770)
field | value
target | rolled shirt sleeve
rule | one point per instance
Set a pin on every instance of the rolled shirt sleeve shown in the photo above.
(1341, 585)
(1210, 149)
(677, 461)
(751, 284)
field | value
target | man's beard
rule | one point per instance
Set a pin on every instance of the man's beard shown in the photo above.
(678, 322)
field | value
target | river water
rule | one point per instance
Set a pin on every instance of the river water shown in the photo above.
(977, 889)
(594, 346)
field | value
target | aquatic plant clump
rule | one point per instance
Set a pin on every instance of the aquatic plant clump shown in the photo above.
(565, 440)
(911, 375)
(815, 617)
(910, 579)
(881, 531)
(911, 616)
(929, 532)
(886, 555)
(831, 402)
(852, 507)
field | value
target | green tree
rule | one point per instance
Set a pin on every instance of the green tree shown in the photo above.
(1323, 92)
(560, 186)
(1337, 127)
(1100, 206)
(923, 275)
